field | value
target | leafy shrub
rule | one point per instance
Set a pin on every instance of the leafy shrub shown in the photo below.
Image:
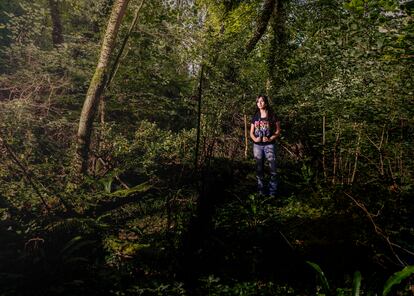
(153, 149)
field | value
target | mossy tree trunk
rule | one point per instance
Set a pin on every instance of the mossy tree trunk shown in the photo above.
(262, 22)
(96, 87)
(57, 35)
(278, 47)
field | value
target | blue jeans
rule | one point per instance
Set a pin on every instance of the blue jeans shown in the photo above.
(262, 153)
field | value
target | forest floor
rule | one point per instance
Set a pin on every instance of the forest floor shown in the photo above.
(147, 241)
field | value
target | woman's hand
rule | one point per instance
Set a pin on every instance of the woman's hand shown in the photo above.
(272, 138)
(257, 139)
(275, 136)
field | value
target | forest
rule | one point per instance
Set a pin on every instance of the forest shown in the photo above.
(126, 160)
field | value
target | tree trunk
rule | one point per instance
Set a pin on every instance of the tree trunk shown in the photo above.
(124, 43)
(262, 23)
(57, 36)
(200, 93)
(97, 86)
(276, 57)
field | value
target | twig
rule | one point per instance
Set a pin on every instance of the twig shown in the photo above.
(24, 171)
(122, 183)
(335, 159)
(246, 143)
(36, 241)
(288, 242)
(357, 152)
(116, 177)
(199, 96)
(290, 152)
(115, 66)
(379, 148)
(379, 231)
(324, 146)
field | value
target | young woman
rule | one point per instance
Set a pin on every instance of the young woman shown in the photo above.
(264, 130)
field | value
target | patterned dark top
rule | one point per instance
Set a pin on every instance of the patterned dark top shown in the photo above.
(263, 127)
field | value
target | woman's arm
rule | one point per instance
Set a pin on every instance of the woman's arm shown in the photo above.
(277, 132)
(252, 136)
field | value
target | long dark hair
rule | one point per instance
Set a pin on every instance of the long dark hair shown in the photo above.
(270, 114)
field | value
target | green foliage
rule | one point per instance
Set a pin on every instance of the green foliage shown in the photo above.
(322, 277)
(257, 209)
(396, 278)
(68, 252)
(356, 284)
(153, 149)
(136, 189)
(120, 249)
(345, 63)
(214, 286)
(172, 289)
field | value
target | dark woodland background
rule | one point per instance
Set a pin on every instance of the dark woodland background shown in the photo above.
(135, 177)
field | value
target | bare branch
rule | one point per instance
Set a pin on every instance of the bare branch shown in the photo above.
(379, 231)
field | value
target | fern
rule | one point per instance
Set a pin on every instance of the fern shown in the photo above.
(143, 187)
(396, 278)
(324, 280)
(75, 244)
(356, 285)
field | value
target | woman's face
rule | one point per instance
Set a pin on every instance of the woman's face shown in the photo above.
(261, 103)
